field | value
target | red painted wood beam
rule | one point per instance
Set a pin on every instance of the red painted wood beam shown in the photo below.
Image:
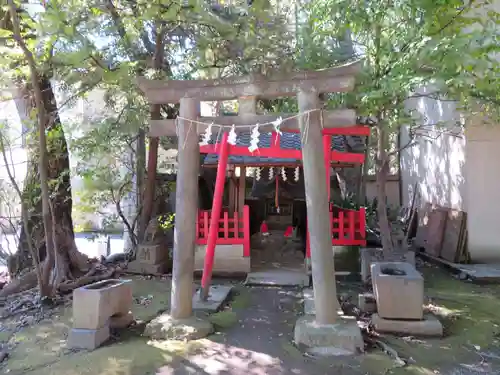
(359, 130)
(270, 152)
(263, 164)
(214, 218)
(347, 157)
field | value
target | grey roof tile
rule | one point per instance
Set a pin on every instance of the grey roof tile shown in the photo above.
(288, 141)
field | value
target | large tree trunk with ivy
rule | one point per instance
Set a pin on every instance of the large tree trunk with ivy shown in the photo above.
(70, 261)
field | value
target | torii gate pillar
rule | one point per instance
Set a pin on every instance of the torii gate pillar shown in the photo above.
(186, 210)
(322, 264)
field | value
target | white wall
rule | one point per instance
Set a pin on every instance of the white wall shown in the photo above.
(392, 190)
(482, 174)
(436, 163)
(460, 172)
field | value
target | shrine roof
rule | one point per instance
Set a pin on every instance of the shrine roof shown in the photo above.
(289, 141)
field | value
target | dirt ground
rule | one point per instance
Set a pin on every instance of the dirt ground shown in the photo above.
(254, 336)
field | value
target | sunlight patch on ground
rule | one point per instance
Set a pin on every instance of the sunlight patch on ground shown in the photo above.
(219, 359)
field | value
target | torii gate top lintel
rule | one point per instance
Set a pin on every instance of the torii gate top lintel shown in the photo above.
(336, 79)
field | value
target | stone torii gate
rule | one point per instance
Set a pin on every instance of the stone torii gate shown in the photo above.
(312, 125)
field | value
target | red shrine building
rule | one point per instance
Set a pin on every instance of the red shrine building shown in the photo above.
(267, 185)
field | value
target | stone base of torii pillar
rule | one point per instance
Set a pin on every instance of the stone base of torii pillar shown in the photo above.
(340, 338)
(322, 330)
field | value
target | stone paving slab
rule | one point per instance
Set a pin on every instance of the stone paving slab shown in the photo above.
(476, 272)
(217, 296)
(277, 277)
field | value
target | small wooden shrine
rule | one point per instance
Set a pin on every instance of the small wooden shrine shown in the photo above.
(223, 235)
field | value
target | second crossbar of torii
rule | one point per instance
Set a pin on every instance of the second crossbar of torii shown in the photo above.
(338, 122)
(314, 132)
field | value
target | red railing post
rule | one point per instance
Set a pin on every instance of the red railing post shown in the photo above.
(198, 227)
(341, 226)
(205, 225)
(236, 225)
(362, 225)
(246, 231)
(331, 225)
(352, 224)
(226, 225)
(213, 231)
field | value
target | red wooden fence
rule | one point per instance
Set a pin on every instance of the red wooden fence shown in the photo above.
(234, 229)
(348, 228)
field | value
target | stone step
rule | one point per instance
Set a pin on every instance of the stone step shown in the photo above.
(277, 277)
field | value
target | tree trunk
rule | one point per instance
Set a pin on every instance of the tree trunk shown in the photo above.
(382, 172)
(155, 112)
(47, 190)
(140, 169)
(60, 191)
(363, 172)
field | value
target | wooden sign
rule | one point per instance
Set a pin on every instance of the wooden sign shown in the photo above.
(423, 221)
(435, 231)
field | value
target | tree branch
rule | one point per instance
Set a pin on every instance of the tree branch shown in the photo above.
(407, 45)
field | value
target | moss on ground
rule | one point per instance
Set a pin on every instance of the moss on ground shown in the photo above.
(241, 298)
(44, 344)
(469, 313)
(223, 319)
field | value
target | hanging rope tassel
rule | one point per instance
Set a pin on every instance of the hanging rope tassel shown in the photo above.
(276, 196)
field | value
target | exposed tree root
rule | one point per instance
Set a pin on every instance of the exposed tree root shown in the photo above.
(20, 297)
(65, 279)
(88, 278)
(391, 352)
(26, 282)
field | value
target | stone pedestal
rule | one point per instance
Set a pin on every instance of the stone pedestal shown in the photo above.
(150, 260)
(368, 256)
(399, 290)
(94, 306)
(89, 339)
